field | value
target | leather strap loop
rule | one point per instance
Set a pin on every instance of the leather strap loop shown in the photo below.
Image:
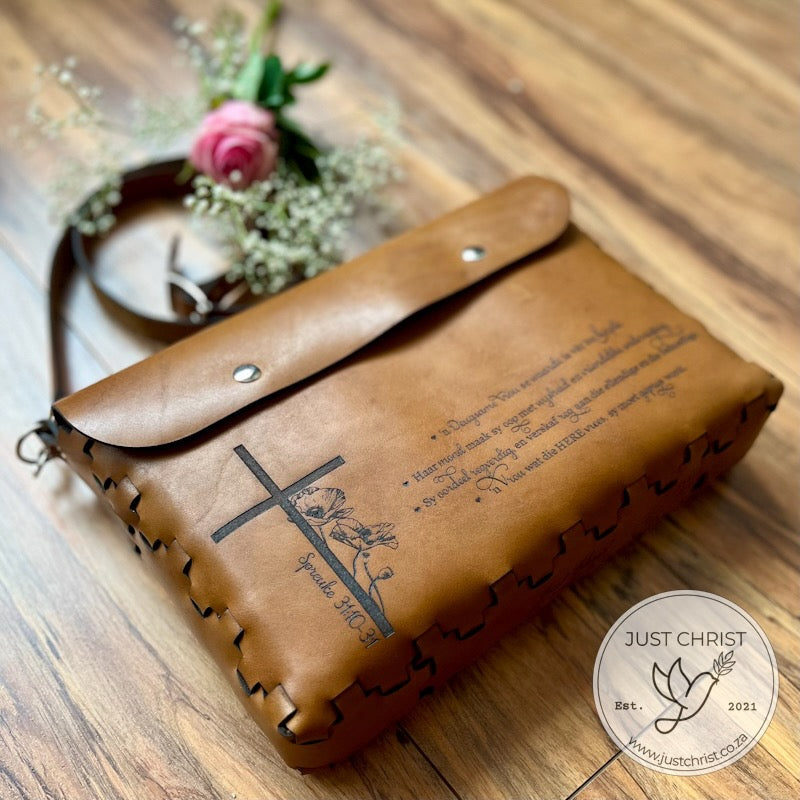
(194, 304)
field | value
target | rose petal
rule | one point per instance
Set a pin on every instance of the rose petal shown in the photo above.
(236, 136)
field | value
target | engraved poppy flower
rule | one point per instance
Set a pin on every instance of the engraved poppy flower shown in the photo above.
(320, 506)
(364, 537)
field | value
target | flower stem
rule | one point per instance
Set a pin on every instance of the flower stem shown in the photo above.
(238, 222)
(266, 27)
(373, 587)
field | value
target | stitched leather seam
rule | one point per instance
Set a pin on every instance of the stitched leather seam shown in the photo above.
(421, 660)
(713, 448)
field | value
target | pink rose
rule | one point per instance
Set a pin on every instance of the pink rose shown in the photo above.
(238, 137)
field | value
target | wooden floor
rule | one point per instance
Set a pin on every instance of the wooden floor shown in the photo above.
(674, 124)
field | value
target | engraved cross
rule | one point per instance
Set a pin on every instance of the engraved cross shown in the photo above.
(283, 498)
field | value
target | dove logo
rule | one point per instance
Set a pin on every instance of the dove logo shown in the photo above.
(680, 702)
(689, 696)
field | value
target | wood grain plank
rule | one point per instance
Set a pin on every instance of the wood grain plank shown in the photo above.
(627, 780)
(767, 29)
(674, 125)
(537, 131)
(521, 722)
(556, 708)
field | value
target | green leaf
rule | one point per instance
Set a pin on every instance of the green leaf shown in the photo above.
(297, 149)
(291, 127)
(248, 81)
(308, 149)
(271, 89)
(306, 73)
(295, 137)
(304, 166)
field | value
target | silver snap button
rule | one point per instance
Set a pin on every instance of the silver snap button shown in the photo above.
(473, 253)
(246, 373)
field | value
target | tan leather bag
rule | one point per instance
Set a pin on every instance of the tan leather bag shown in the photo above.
(357, 486)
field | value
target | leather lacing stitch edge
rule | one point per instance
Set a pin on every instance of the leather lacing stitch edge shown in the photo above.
(420, 661)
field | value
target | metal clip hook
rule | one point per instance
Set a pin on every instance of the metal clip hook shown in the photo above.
(48, 449)
(202, 304)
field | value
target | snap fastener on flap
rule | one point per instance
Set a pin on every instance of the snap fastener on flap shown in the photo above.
(474, 225)
(246, 373)
(473, 253)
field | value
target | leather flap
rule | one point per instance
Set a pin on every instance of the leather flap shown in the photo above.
(188, 386)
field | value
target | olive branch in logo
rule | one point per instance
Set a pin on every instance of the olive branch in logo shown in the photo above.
(723, 664)
(690, 695)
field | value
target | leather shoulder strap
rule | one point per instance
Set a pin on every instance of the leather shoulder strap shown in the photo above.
(157, 180)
